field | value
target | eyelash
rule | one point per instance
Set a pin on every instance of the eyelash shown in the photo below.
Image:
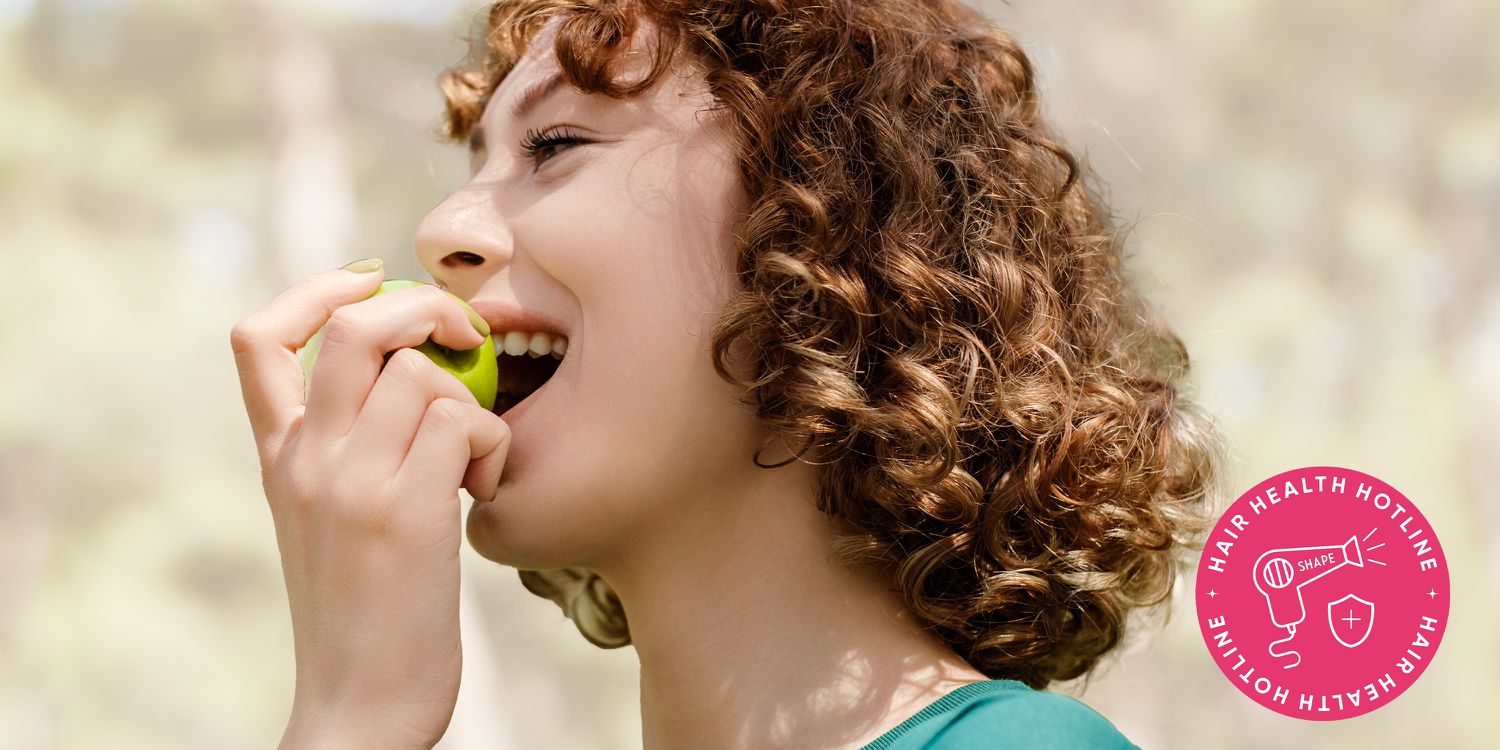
(533, 142)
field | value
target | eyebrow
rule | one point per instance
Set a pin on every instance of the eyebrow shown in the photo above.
(535, 94)
(527, 101)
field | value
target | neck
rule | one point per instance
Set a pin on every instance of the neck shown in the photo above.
(751, 635)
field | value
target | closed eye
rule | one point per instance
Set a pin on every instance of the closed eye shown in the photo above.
(536, 144)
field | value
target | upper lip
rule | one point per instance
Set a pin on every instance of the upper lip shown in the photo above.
(504, 316)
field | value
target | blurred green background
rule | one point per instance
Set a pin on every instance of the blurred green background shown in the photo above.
(1313, 188)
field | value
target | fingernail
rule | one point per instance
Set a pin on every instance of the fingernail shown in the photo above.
(479, 323)
(365, 265)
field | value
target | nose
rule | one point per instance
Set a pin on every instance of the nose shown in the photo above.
(464, 240)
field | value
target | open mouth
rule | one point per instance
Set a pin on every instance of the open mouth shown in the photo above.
(526, 362)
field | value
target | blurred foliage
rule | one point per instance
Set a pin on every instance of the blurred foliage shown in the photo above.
(1311, 191)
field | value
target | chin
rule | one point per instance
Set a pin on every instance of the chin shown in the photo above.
(536, 531)
(535, 522)
(505, 538)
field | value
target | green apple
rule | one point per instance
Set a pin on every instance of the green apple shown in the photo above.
(475, 368)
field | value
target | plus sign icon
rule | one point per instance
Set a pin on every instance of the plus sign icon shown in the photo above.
(1322, 593)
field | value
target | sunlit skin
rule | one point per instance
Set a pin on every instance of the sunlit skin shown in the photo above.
(636, 463)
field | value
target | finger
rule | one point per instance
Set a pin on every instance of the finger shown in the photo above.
(355, 343)
(265, 344)
(388, 424)
(460, 444)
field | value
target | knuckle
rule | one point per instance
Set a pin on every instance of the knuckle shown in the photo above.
(344, 326)
(244, 336)
(302, 502)
(300, 468)
(441, 301)
(408, 364)
(356, 510)
(434, 294)
(294, 490)
(305, 479)
(448, 412)
(312, 492)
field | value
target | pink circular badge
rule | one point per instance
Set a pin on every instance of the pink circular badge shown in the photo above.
(1322, 593)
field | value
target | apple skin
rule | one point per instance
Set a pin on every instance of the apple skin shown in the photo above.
(475, 368)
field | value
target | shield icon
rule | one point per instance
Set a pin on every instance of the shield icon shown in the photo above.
(1351, 620)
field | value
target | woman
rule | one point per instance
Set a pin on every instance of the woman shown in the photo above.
(858, 435)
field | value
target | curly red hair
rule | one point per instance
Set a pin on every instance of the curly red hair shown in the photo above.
(935, 302)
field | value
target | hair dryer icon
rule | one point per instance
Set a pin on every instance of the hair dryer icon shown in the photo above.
(1280, 575)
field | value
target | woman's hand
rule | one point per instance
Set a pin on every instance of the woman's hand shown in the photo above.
(363, 484)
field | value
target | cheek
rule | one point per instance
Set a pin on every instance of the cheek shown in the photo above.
(628, 226)
(645, 249)
(650, 426)
(642, 240)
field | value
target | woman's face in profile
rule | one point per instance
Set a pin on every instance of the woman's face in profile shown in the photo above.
(624, 239)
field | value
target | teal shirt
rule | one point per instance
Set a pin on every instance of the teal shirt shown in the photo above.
(1003, 714)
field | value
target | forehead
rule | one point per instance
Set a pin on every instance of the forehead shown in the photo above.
(539, 64)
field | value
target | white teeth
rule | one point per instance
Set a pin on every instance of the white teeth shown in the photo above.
(541, 343)
(535, 344)
(515, 343)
